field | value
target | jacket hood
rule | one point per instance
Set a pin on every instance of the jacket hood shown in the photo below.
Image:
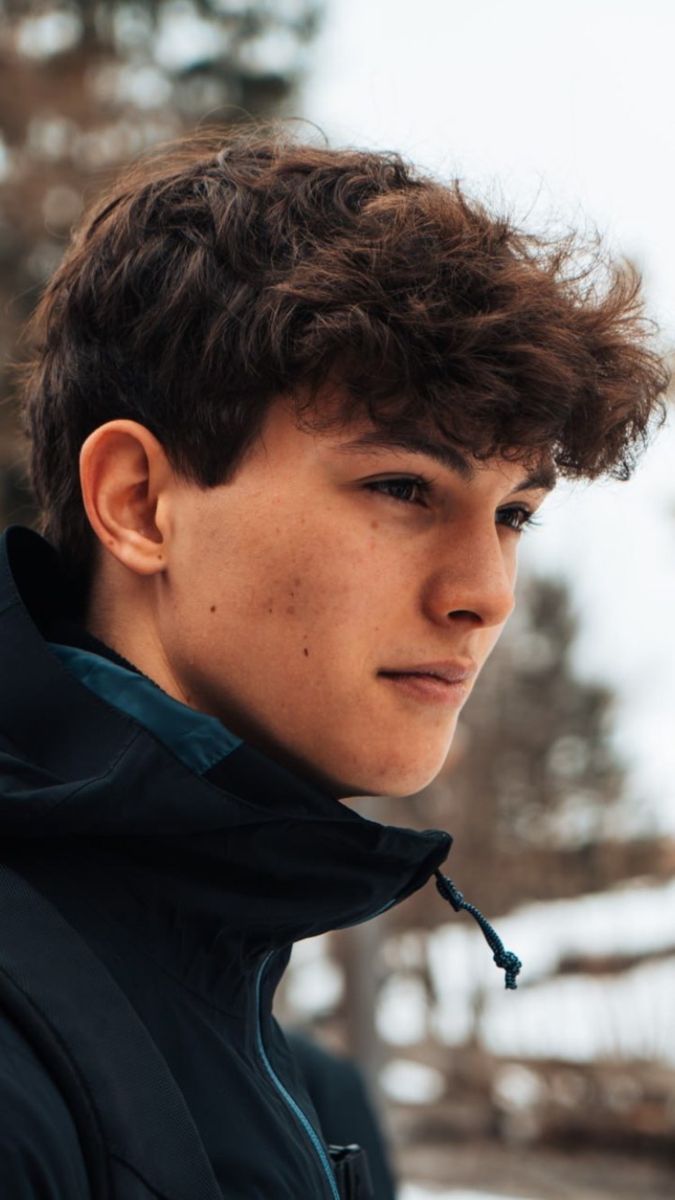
(102, 772)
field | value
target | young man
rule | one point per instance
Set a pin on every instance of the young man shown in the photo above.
(290, 410)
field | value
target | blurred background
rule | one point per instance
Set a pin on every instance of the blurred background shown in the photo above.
(560, 789)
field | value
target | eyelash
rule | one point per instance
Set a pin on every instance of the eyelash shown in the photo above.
(517, 516)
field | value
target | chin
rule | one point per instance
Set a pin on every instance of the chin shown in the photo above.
(406, 781)
(397, 777)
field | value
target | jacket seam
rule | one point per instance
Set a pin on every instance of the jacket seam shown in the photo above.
(91, 782)
(138, 1175)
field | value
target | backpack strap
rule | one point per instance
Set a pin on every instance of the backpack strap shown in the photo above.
(129, 1112)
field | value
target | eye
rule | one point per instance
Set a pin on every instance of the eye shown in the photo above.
(401, 488)
(517, 517)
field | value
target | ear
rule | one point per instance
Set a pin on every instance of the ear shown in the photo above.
(124, 474)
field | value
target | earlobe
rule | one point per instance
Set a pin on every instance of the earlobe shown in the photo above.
(123, 473)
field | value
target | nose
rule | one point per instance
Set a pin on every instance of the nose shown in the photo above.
(473, 581)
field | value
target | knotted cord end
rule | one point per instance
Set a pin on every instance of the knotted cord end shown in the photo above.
(506, 960)
(510, 964)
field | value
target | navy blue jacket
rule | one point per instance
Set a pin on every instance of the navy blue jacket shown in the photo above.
(174, 866)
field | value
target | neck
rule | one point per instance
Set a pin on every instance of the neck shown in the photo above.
(122, 612)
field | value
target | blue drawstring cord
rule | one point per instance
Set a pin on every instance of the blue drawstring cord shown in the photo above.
(506, 960)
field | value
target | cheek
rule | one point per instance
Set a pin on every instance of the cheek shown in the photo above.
(324, 585)
(310, 588)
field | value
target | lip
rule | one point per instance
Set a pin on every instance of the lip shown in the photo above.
(436, 683)
(451, 671)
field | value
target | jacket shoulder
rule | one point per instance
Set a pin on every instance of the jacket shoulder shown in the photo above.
(40, 1153)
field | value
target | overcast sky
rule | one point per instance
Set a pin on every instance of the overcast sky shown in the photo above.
(563, 113)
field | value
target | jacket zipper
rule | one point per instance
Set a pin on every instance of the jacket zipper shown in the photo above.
(300, 1116)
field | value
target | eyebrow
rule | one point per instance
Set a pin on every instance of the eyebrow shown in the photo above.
(542, 478)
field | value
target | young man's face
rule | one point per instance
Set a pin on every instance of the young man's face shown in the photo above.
(302, 598)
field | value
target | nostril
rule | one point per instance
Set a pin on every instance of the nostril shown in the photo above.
(464, 613)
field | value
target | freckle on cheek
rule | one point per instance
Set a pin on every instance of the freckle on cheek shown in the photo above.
(306, 652)
(290, 610)
(213, 608)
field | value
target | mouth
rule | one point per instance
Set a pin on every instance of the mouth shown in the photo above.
(451, 688)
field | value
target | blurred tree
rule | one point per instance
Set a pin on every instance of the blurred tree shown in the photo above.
(84, 87)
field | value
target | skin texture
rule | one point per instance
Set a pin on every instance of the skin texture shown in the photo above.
(274, 601)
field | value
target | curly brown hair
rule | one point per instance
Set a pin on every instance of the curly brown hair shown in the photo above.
(222, 271)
